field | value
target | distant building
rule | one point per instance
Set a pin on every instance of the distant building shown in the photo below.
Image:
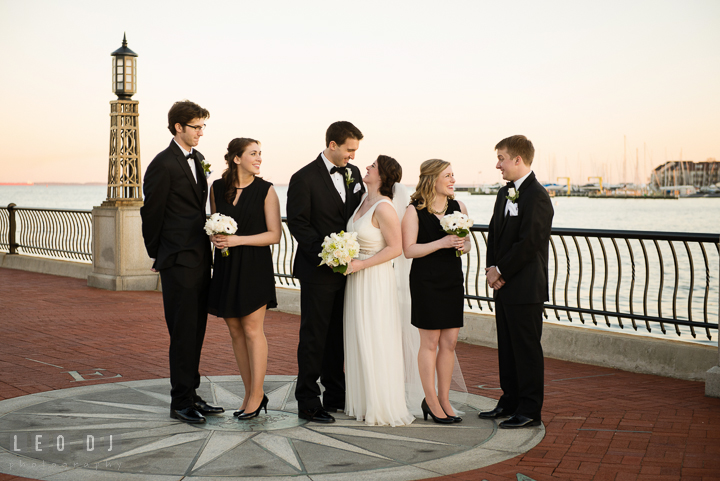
(685, 173)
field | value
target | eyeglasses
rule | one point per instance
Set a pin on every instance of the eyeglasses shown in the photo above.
(196, 127)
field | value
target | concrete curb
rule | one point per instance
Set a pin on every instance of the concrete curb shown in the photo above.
(55, 267)
(629, 352)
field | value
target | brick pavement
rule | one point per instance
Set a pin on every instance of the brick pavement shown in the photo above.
(601, 424)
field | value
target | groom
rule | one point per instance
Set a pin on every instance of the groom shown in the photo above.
(517, 270)
(173, 217)
(321, 198)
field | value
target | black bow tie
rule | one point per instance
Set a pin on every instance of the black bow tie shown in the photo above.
(510, 185)
(338, 169)
(191, 155)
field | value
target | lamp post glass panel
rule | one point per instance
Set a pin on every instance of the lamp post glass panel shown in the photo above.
(124, 67)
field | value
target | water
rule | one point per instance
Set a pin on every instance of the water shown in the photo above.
(83, 197)
(668, 215)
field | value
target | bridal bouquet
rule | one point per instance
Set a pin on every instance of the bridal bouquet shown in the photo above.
(339, 250)
(221, 224)
(457, 224)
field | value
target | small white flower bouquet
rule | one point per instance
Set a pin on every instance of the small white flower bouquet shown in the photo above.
(339, 250)
(221, 224)
(457, 224)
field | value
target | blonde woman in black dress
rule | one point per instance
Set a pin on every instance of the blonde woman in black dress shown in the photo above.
(436, 283)
(243, 285)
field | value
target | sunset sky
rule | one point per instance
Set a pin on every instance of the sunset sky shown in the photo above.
(421, 79)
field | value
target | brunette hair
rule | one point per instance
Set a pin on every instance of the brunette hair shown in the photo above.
(424, 193)
(518, 145)
(236, 147)
(390, 173)
(183, 112)
(340, 131)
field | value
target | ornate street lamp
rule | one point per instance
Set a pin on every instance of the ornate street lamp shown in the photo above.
(124, 186)
(124, 77)
(119, 259)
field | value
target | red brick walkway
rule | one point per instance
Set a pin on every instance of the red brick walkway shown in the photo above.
(601, 424)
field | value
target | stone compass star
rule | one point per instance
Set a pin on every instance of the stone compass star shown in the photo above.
(133, 437)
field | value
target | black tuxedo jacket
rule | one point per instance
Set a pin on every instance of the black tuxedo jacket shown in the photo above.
(173, 215)
(518, 245)
(315, 210)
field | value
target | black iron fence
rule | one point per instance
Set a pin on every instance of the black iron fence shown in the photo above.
(617, 279)
(622, 279)
(56, 233)
(652, 281)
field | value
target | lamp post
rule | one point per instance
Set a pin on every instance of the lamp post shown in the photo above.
(124, 187)
(120, 262)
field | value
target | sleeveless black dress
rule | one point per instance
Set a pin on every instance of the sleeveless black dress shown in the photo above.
(436, 280)
(243, 282)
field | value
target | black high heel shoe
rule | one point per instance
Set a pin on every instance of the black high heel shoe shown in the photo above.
(426, 410)
(455, 419)
(238, 413)
(254, 414)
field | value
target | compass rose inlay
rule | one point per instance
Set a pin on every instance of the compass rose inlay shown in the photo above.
(123, 431)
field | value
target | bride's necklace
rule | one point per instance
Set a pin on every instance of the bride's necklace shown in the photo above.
(440, 212)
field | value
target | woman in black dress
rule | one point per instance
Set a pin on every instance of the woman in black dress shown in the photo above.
(243, 286)
(436, 283)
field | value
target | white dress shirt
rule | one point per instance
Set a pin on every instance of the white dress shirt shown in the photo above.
(509, 203)
(190, 162)
(337, 178)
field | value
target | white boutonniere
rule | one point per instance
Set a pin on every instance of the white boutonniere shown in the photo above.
(206, 168)
(513, 195)
(348, 177)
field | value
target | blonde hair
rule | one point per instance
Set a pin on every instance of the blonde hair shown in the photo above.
(424, 193)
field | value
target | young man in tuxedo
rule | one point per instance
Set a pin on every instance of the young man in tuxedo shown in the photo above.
(517, 270)
(173, 217)
(321, 198)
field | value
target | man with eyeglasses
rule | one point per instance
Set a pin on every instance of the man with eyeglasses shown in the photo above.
(173, 217)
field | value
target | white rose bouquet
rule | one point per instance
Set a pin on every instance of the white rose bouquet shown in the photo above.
(221, 224)
(457, 224)
(339, 250)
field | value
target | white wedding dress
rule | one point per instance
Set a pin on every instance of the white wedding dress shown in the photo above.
(374, 373)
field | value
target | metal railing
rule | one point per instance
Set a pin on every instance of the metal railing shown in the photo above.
(56, 233)
(612, 278)
(620, 279)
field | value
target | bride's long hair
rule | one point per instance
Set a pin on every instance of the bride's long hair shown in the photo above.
(424, 193)
(390, 173)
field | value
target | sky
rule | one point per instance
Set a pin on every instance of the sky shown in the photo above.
(590, 83)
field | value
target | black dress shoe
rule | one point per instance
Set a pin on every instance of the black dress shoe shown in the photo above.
(498, 412)
(319, 415)
(204, 408)
(427, 411)
(519, 421)
(249, 415)
(187, 415)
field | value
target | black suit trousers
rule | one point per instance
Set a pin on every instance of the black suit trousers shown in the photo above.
(320, 350)
(520, 356)
(185, 292)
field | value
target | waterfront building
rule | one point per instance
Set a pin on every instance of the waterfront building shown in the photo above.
(674, 173)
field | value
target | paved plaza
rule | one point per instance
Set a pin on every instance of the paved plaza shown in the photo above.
(79, 363)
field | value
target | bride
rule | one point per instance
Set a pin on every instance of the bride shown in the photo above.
(374, 373)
